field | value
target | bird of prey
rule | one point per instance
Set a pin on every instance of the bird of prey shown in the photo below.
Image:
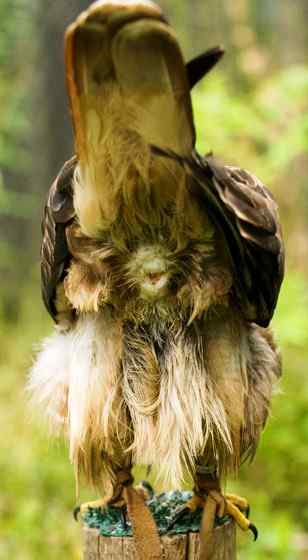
(161, 269)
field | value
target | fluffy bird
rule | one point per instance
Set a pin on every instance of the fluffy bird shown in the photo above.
(161, 269)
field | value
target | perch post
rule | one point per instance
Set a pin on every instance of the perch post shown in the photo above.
(174, 547)
(107, 538)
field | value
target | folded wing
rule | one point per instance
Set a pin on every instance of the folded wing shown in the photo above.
(58, 214)
(246, 214)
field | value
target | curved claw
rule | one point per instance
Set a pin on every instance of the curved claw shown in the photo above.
(76, 512)
(254, 531)
(148, 488)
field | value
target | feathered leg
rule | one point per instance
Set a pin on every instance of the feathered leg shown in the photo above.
(120, 477)
(225, 352)
(131, 501)
(208, 494)
(227, 356)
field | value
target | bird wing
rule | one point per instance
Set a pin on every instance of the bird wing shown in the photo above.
(198, 67)
(58, 214)
(247, 215)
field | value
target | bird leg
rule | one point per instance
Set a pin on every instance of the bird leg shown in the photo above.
(132, 501)
(207, 487)
(116, 498)
(209, 497)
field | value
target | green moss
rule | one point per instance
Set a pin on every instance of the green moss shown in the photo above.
(164, 507)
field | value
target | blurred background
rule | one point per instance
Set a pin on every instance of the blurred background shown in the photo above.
(252, 111)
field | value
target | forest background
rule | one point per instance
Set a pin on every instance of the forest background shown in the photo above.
(252, 111)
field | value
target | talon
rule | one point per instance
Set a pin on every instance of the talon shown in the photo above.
(254, 531)
(239, 502)
(196, 502)
(87, 506)
(145, 488)
(76, 512)
(219, 505)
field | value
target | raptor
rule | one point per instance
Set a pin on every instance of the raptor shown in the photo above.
(161, 269)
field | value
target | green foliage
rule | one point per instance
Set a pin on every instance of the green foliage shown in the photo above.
(266, 130)
(14, 75)
(16, 204)
(37, 486)
(291, 321)
(276, 482)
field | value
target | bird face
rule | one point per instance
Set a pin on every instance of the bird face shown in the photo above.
(150, 269)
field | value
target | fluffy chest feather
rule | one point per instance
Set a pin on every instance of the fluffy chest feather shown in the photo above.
(169, 268)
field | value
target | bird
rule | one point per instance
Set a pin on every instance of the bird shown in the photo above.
(161, 269)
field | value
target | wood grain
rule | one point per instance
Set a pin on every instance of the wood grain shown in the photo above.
(177, 547)
(91, 540)
(224, 544)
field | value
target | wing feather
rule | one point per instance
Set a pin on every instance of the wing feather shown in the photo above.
(203, 64)
(247, 215)
(58, 214)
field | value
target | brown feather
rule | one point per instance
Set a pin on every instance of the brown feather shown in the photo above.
(247, 215)
(157, 265)
(198, 67)
(58, 214)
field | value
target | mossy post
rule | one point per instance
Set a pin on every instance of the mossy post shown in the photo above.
(107, 537)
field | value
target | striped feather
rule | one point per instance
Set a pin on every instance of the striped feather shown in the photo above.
(58, 214)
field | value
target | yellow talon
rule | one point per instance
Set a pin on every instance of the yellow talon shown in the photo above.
(84, 508)
(237, 515)
(191, 506)
(232, 509)
(238, 501)
(195, 503)
(217, 504)
(103, 503)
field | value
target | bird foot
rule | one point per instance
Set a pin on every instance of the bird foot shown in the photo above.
(195, 503)
(238, 508)
(101, 504)
(144, 489)
(215, 504)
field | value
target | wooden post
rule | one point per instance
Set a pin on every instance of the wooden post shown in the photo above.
(177, 547)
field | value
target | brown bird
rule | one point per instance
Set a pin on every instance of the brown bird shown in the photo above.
(161, 269)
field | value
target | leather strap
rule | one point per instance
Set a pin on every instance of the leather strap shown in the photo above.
(207, 485)
(206, 529)
(145, 531)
